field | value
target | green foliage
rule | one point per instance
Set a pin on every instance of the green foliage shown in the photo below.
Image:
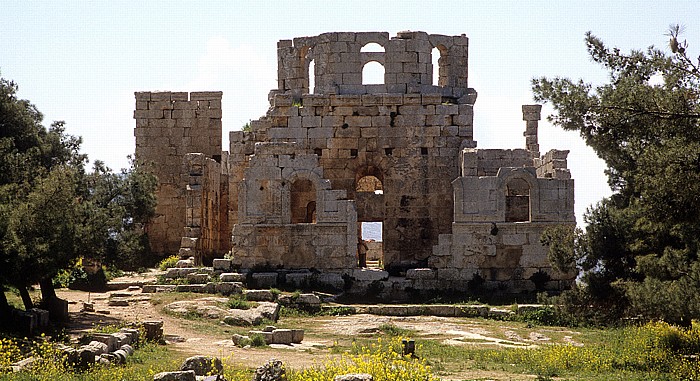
(246, 127)
(51, 211)
(393, 330)
(257, 340)
(658, 350)
(237, 302)
(168, 262)
(638, 254)
(383, 359)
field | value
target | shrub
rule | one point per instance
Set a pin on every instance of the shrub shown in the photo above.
(168, 262)
(238, 303)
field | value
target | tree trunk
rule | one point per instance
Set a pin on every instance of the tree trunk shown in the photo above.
(58, 308)
(26, 298)
(4, 306)
(48, 294)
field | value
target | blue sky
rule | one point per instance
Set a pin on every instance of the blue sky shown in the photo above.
(82, 61)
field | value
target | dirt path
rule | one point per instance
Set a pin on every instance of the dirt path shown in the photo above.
(321, 332)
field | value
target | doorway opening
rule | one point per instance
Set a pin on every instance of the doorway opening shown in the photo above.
(371, 235)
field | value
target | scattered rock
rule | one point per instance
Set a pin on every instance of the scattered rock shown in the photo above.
(273, 370)
(253, 316)
(175, 376)
(120, 302)
(154, 330)
(203, 365)
(204, 307)
(535, 336)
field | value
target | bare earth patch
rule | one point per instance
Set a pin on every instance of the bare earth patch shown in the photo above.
(322, 332)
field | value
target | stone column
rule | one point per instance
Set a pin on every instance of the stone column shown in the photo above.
(531, 116)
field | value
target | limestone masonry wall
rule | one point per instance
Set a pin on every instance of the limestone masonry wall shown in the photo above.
(332, 152)
(168, 126)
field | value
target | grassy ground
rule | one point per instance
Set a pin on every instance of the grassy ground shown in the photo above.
(655, 351)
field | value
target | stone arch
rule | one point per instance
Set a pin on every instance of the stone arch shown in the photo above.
(369, 183)
(302, 201)
(302, 193)
(520, 194)
(372, 47)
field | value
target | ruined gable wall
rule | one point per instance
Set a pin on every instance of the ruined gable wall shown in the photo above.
(169, 125)
(265, 236)
(504, 200)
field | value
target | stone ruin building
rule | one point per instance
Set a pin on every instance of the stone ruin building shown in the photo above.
(331, 152)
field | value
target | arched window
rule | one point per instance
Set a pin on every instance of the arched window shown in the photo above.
(312, 76)
(373, 73)
(369, 184)
(439, 67)
(435, 58)
(517, 200)
(372, 47)
(303, 202)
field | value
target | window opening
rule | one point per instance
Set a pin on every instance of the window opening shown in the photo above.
(312, 76)
(517, 201)
(373, 73)
(435, 56)
(372, 47)
(303, 202)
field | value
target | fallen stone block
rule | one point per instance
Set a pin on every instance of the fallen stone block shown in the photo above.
(118, 302)
(421, 274)
(155, 288)
(239, 339)
(264, 280)
(259, 295)
(110, 340)
(99, 347)
(197, 278)
(282, 336)
(203, 365)
(196, 288)
(232, 277)
(228, 288)
(153, 330)
(297, 336)
(221, 264)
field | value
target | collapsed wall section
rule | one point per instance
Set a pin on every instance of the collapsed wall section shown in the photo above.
(168, 126)
(206, 232)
